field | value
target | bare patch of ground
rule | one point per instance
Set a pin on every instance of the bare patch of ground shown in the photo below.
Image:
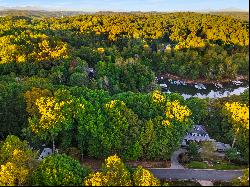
(96, 164)
(93, 163)
(150, 164)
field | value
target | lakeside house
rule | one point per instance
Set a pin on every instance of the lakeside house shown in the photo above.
(199, 134)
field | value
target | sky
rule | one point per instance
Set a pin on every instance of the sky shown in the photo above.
(130, 5)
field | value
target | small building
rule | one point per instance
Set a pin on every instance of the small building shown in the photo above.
(45, 152)
(91, 72)
(42, 150)
(221, 147)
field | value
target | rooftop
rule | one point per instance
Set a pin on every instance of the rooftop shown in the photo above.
(199, 129)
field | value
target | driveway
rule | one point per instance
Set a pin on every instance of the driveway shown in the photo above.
(174, 159)
(195, 174)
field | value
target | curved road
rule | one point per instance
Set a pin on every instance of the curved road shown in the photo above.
(197, 174)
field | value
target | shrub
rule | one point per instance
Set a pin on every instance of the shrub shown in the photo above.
(208, 149)
(242, 181)
(184, 158)
(193, 149)
(232, 154)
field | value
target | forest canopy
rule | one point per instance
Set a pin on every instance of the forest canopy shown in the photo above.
(189, 45)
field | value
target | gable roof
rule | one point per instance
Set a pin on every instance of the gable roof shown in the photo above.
(197, 138)
(199, 129)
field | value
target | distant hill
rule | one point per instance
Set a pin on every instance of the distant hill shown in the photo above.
(39, 13)
(239, 15)
(232, 9)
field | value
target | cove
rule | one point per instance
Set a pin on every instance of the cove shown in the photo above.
(212, 90)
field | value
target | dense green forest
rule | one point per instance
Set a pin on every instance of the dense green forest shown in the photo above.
(87, 83)
(189, 45)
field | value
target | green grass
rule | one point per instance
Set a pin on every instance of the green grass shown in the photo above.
(197, 165)
(226, 166)
(218, 166)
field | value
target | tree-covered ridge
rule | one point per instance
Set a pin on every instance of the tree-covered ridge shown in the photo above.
(189, 45)
(39, 13)
(176, 27)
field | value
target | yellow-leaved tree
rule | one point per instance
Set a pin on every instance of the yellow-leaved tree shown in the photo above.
(239, 117)
(12, 175)
(175, 111)
(144, 177)
(55, 113)
(17, 161)
(115, 173)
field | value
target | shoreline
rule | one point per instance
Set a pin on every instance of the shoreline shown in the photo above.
(203, 81)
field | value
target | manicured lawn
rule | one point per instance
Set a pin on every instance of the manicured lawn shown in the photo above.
(226, 166)
(218, 166)
(197, 165)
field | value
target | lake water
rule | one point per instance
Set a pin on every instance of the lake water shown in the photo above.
(203, 90)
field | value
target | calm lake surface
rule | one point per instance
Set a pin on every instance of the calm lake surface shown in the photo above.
(203, 90)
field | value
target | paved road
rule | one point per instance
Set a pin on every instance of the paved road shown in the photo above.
(199, 174)
(174, 159)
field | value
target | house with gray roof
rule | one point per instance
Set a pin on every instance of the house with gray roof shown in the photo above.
(199, 134)
(46, 152)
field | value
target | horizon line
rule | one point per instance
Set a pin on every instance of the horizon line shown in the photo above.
(38, 8)
(123, 11)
